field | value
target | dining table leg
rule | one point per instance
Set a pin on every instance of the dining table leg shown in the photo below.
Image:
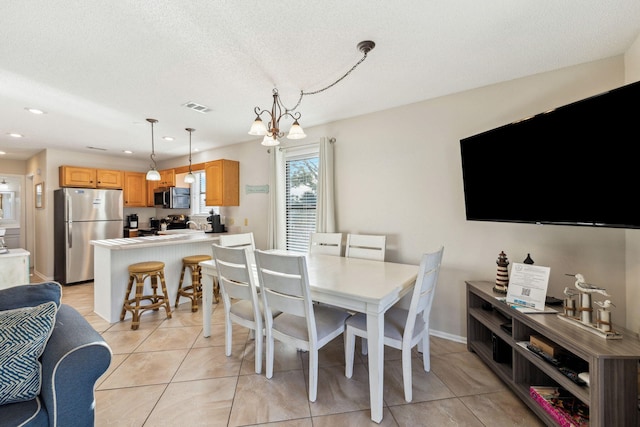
(207, 301)
(375, 342)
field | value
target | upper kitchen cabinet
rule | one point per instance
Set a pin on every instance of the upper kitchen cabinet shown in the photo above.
(223, 183)
(135, 189)
(109, 178)
(74, 176)
(167, 179)
(77, 176)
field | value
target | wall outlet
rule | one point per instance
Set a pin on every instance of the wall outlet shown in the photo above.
(231, 221)
(246, 222)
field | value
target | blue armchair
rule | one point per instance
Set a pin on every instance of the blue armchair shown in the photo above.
(74, 357)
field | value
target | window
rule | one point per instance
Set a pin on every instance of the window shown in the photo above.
(198, 195)
(301, 183)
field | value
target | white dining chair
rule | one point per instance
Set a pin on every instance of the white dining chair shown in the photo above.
(240, 240)
(366, 246)
(403, 329)
(325, 243)
(284, 286)
(240, 297)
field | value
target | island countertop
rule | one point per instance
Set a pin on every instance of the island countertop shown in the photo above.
(113, 256)
(153, 241)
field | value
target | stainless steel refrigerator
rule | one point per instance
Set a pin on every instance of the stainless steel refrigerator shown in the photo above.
(82, 215)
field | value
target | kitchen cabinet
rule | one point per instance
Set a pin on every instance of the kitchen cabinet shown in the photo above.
(77, 176)
(107, 178)
(167, 179)
(223, 183)
(135, 189)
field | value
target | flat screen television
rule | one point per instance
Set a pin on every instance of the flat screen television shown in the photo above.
(578, 164)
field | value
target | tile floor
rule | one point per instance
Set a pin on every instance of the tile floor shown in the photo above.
(167, 374)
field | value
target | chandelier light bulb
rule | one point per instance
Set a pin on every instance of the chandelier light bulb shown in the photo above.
(270, 141)
(296, 131)
(258, 128)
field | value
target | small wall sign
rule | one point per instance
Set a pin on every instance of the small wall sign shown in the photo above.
(252, 189)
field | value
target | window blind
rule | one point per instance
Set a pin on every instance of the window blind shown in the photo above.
(301, 193)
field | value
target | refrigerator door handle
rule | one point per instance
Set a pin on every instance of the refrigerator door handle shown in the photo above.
(69, 219)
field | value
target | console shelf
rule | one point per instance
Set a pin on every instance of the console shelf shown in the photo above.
(612, 395)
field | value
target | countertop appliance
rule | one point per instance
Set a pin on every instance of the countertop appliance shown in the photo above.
(172, 198)
(81, 215)
(176, 222)
(216, 226)
(132, 221)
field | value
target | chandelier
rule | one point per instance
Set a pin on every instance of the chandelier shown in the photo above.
(271, 131)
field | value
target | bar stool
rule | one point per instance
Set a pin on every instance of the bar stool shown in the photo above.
(193, 291)
(138, 273)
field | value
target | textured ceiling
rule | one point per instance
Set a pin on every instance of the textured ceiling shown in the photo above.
(99, 68)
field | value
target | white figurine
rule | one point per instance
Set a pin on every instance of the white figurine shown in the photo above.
(607, 304)
(569, 292)
(585, 287)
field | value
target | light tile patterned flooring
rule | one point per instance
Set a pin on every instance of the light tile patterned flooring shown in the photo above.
(167, 374)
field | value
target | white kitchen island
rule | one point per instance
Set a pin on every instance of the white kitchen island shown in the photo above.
(113, 256)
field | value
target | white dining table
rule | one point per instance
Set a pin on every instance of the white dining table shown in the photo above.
(358, 285)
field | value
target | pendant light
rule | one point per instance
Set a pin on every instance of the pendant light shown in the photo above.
(190, 178)
(153, 174)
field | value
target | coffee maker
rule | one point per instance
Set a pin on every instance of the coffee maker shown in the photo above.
(215, 225)
(132, 221)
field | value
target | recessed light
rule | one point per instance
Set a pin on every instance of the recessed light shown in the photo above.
(195, 149)
(127, 151)
(167, 138)
(34, 110)
(15, 135)
(2, 153)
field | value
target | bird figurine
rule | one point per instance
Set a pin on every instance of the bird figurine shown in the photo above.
(607, 304)
(585, 287)
(570, 292)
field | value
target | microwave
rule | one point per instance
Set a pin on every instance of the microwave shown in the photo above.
(172, 198)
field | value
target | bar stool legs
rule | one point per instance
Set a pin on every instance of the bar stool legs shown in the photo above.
(193, 291)
(138, 273)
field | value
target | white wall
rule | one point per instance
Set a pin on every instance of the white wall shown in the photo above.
(632, 74)
(398, 172)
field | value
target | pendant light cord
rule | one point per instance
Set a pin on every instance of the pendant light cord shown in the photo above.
(153, 149)
(364, 47)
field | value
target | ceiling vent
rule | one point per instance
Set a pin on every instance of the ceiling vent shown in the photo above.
(197, 107)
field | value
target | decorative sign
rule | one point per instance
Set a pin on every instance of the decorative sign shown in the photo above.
(252, 189)
(528, 286)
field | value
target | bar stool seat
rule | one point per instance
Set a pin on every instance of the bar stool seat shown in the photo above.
(194, 290)
(138, 273)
